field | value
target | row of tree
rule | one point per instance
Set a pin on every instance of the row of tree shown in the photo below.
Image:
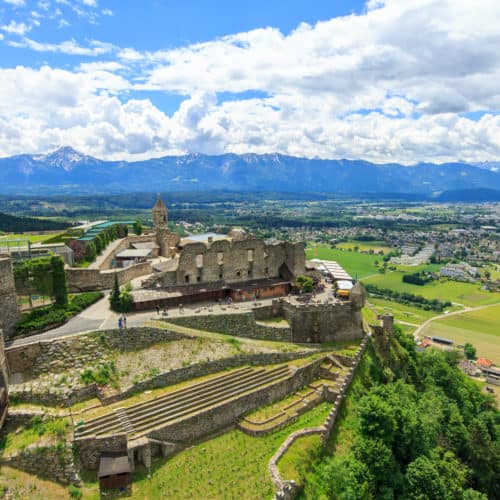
(429, 435)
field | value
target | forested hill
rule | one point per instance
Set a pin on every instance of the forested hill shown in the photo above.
(13, 224)
(413, 426)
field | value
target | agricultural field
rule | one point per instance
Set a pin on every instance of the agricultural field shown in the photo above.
(33, 238)
(365, 246)
(401, 312)
(481, 328)
(231, 465)
(354, 263)
(468, 294)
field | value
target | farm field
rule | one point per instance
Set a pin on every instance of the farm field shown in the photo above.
(33, 238)
(481, 328)
(401, 312)
(468, 294)
(376, 246)
(231, 465)
(353, 262)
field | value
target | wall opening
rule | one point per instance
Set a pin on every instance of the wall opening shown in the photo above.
(186, 278)
(250, 255)
(220, 258)
(199, 260)
(238, 274)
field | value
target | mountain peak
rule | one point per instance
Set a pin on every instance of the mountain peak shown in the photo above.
(65, 157)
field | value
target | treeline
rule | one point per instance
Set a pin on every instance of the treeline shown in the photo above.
(422, 431)
(408, 298)
(13, 224)
(419, 279)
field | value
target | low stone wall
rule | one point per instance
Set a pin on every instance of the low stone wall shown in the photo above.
(90, 449)
(201, 369)
(238, 324)
(84, 280)
(73, 352)
(50, 462)
(227, 414)
(287, 489)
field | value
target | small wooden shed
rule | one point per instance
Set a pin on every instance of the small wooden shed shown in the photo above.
(114, 471)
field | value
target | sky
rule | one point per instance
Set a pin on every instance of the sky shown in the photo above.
(379, 80)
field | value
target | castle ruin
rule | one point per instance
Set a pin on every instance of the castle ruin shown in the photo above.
(9, 311)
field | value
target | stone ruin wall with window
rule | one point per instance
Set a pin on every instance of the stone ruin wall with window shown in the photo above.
(233, 262)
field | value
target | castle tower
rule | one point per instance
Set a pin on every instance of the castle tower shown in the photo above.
(160, 215)
(8, 298)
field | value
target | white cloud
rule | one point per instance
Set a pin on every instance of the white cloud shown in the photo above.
(387, 85)
(17, 3)
(16, 28)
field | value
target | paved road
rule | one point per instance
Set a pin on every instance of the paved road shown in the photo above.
(454, 313)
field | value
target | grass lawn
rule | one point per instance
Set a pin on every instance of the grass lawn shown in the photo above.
(401, 312)
(33, 238)
(468, 294)
(353, 262)
(480, 328)
(376, 246)
(231, 465)
(297, 460)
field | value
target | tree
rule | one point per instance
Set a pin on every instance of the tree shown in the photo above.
(114, 298)
(469, 351)
(487, 274)
(305, 283)
(138, 227)
(59, 281)
(90, 251)
(423, 480)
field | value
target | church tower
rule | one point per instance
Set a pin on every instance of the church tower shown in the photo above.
(160, 215)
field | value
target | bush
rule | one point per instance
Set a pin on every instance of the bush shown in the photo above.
(53, 315)
(74, 492)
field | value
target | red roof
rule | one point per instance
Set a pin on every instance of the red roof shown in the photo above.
(485, 363)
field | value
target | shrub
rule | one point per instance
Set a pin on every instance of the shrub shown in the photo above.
(74, 492)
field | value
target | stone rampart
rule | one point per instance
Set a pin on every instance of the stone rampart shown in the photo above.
(238, 324)
(75, 351)
(50, 462)
(8, 298)
(90, 449)
(84, 280)
(224, 415)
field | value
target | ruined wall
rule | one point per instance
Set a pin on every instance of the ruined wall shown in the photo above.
(124, 245)
(59, 355)
(9, 312)
(238, 324)
(314, 323)
(226, 414)
(235, 261)
(84, 280)
(323, 322)
(90, 449)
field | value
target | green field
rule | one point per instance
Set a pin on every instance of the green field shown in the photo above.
(33, 238)
(376, 246)
(468, 294)
(401, 312)
(481, 328)
(353, 262)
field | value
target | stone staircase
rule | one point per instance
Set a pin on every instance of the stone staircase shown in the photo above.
(140, 418)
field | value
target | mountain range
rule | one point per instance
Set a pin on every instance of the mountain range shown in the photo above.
(66, 171)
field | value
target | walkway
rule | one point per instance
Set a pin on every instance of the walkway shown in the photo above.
(454, 313)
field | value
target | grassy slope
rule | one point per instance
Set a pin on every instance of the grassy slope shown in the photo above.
(231, 465)
(33, 238)
(353, 262)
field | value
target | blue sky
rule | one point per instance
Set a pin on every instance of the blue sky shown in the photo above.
(382, 80)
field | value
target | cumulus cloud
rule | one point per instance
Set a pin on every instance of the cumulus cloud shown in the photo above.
(394, 83)
(16, 28)
(17, 3)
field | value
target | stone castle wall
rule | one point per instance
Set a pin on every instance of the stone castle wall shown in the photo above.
(238, 324)
(227, 414)
(124, 245)
(84, 280)
(9, 312)
(90, 449)
(315, 323)
(74, 352)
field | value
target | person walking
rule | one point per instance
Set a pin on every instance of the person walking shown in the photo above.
(124, 321)
(157, 309)
(120, 323)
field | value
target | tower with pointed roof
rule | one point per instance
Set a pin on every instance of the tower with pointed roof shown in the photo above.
(160, 215)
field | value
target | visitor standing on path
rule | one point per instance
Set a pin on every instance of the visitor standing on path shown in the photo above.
(120, 323)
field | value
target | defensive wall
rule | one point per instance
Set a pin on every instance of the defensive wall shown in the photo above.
(84, 280)
(9, 312)
(287, 489)
(315, 323)
(125, 244)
